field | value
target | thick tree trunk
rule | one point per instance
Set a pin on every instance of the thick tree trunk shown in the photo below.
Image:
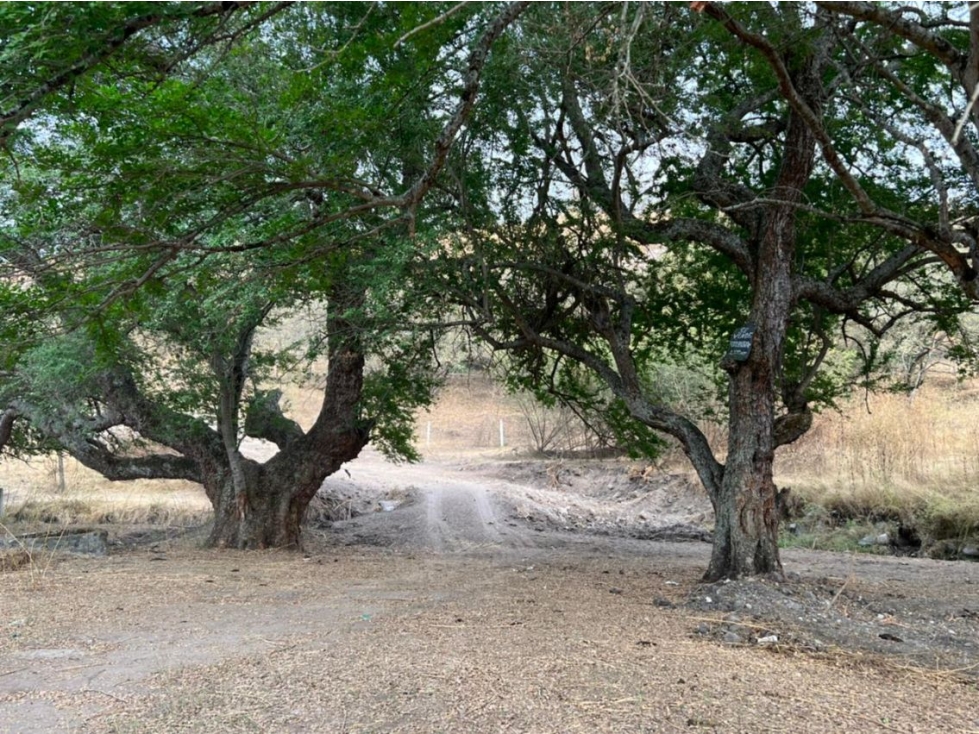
(746, 518)
(269, 514)
(267, 507)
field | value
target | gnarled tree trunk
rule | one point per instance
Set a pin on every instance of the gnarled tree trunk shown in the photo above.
(267, 514)
(268, 510)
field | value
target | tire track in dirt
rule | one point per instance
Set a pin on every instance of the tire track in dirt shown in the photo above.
(459, 518)
(445, 513)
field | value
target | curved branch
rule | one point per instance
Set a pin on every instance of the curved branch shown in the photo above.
(264, 419)
(184, 434)
(848, 300)
(121, 468)
(792, 426)
(714, 235)
(712, 187)
(660, 418)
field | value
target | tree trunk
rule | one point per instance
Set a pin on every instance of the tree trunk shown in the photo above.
(746, 516)
(267, 507)
(268, 514)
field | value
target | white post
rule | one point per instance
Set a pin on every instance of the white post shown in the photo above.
(62, 485)
(502, 435)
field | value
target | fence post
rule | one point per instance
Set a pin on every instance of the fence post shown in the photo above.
(502, 435)
(62, 484)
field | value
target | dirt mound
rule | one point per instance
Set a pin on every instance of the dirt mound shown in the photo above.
(604, 497)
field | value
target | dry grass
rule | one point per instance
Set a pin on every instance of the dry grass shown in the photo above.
(888, 457)
(35, 498)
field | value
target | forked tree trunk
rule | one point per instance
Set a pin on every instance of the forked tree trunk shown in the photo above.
(269, 505)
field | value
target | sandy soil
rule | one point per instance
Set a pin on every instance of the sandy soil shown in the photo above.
(491, 597)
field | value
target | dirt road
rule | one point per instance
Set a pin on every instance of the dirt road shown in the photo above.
(465, 608)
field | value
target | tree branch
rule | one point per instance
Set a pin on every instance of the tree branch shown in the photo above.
(184, 434)
(657, 417)
(848, 300)
(434, 21)
(22, 109)
(122, 468)
(264, 419)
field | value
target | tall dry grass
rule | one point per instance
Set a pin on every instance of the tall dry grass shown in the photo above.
(888, 456)
(38, 495)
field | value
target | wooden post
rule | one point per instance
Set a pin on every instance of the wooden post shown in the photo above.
(62, 485)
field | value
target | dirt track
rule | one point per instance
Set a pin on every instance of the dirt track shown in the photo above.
(454, 612)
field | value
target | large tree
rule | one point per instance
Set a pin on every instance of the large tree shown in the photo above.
(666, 180)
(157, 215)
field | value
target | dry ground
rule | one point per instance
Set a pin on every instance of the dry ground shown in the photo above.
(499, 598)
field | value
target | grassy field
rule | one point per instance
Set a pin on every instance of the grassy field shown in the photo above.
(888, 457)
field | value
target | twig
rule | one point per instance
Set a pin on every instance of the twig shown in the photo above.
(429, 24)
(842, 588)
(105, 693)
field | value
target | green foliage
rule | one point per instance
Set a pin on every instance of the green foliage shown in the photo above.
(192, 172)
(180, 174)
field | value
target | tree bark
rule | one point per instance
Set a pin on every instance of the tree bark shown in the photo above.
(267, 507)
(746, 519)
(746, 514)
(265, 511)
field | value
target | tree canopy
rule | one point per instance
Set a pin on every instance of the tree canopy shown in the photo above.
(156, 215)
(597, 189)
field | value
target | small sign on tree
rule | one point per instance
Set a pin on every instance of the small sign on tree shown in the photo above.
(741, 342)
